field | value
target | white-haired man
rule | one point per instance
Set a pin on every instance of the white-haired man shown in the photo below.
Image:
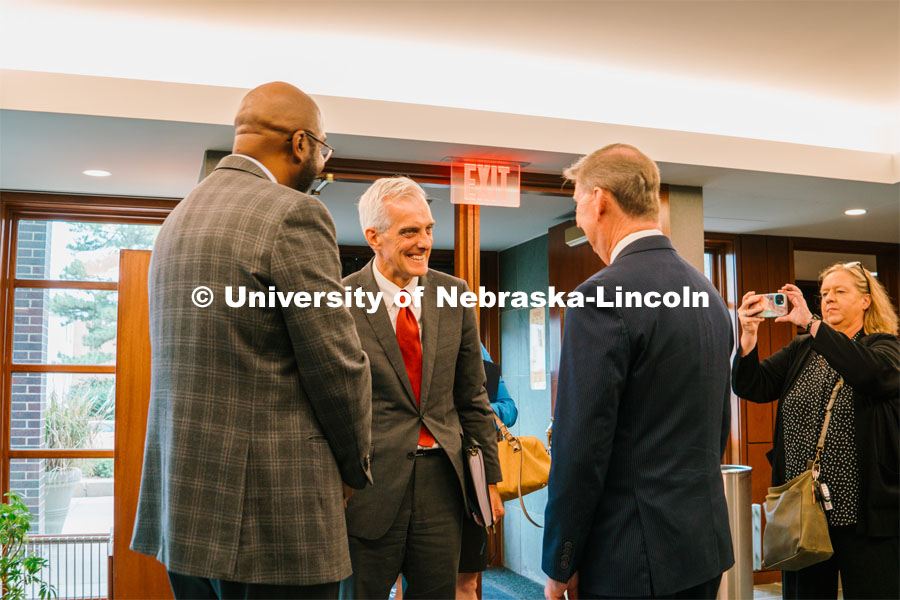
(427, 393)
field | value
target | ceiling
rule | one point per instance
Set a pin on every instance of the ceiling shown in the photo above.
(839, 50)
(785, 113)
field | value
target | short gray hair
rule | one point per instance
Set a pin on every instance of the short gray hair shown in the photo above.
(626, 172)
(372, 212)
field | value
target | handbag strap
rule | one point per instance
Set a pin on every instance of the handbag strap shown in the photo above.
(517, 447)
(509, 437)
(521, 501)
(820, 445)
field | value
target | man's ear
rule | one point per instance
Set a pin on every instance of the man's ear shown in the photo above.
(373, 238)
(601, 199)
(298, 142)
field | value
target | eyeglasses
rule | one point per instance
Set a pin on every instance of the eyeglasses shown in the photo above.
(862, 270)
(324, 148)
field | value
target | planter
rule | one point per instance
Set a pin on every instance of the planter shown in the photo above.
(60, 484)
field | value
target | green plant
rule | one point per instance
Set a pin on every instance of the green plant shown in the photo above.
(19, 568)
(74, 422)
(102, 467)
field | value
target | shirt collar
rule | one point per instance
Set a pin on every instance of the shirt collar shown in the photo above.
(630, 238)
(390, 288)
(260, 165)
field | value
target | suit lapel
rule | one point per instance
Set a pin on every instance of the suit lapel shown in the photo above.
(431, 322)
(380, 322)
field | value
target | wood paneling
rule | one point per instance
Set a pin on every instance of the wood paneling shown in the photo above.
(780, 258)
(762, 470)
(758, 420)
(489, 324)
(467, 244)
(135, 576)
(758, 270)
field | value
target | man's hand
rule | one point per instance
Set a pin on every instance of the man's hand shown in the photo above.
(348, 491)
(497, 508)
(556, 590)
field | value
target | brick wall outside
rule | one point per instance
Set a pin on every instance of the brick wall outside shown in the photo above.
(30, 347)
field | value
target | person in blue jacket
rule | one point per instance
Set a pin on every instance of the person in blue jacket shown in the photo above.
(473, 558)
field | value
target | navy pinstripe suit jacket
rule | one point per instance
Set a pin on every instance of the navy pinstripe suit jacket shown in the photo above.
(636, 501)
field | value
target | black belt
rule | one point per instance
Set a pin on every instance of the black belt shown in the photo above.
(428, 451)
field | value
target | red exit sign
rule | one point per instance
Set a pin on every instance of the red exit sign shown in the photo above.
(488, 183)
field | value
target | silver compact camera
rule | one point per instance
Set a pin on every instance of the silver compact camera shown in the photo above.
(774, 305)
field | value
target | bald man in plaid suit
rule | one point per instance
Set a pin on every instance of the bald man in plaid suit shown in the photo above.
(257, 415)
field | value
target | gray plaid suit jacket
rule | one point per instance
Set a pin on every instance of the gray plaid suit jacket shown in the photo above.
(453, 398)
(256, 414)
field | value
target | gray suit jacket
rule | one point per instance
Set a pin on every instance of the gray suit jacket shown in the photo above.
(256, 414)
(453, 398)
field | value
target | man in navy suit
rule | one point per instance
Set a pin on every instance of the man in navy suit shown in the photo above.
(636, 502)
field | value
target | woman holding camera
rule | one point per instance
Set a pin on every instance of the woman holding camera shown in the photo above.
(855, 339)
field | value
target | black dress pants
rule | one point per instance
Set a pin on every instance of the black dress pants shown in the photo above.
(869, 568)
(188, 587)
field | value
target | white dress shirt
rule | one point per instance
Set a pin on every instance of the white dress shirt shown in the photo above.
(632, 237)
(390, 290)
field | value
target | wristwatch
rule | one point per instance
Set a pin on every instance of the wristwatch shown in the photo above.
(812, 320)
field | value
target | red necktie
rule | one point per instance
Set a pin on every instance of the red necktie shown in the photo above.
(411, 349)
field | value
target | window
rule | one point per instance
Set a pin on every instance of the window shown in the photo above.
(60, 372)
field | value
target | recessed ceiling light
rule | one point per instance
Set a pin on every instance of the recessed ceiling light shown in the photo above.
(855, 211)
(97, 173)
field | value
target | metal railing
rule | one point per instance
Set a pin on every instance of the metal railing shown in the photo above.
(77, 565)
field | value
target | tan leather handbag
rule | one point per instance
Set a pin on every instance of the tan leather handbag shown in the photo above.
(525, 464)
(796, 534)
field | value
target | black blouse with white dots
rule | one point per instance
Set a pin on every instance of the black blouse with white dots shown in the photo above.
(803, 413)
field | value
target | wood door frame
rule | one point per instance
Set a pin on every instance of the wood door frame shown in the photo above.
(135, 576)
